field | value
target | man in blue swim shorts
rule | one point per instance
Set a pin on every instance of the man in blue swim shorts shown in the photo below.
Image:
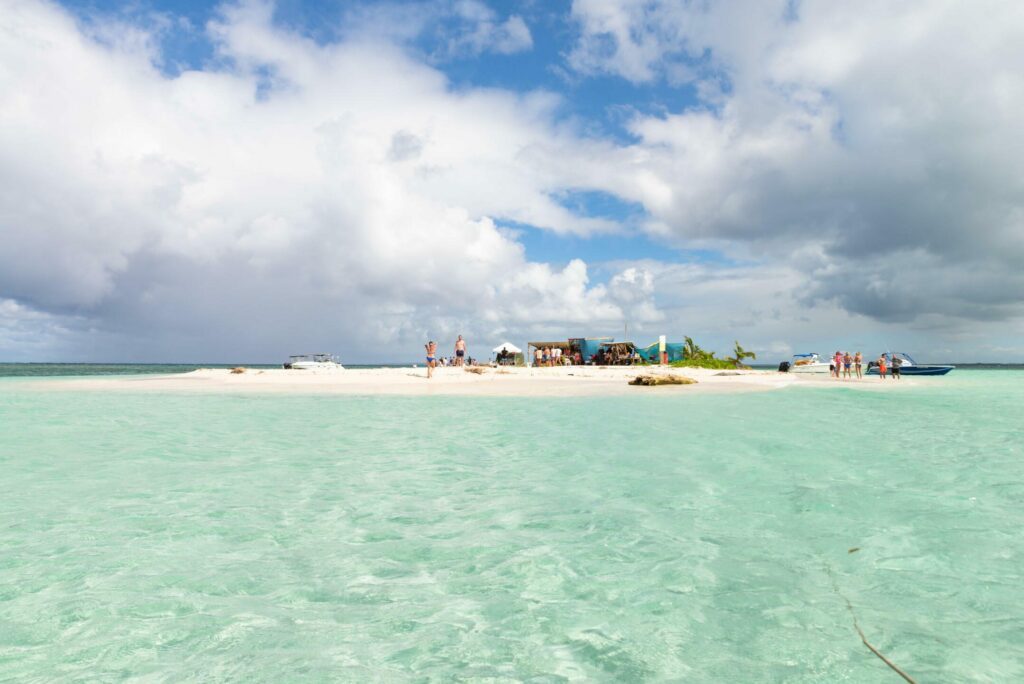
(460, 351)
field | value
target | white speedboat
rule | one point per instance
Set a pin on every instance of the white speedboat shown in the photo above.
(315, 362)
(807, 363)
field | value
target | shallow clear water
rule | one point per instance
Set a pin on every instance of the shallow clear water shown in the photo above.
(39, 370)
(703, 538)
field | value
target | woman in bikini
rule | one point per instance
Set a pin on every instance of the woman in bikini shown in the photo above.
(431, 348)
(847, 362)
(858, 359)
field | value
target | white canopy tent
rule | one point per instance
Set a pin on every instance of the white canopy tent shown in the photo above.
(507, 347)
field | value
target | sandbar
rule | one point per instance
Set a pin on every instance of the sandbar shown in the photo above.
(489, 381)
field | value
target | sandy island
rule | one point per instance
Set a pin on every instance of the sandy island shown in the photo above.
(524, 382)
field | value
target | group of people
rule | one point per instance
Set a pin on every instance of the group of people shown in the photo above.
(887, 366)
(554, 356)
(846, 365)
(459, 359)
(613, 355)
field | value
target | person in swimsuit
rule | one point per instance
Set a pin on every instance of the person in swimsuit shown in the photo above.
(460, 351)
(431, 348)
(897, 362)
(857, 361)
(837, 360)
(881, 366)
(847, 362)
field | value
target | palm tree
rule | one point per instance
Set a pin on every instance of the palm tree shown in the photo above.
(739, 354)
(691, 350)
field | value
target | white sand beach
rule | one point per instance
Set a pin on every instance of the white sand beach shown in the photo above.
(526, 382)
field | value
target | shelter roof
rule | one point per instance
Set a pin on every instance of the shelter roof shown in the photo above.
(560, 343)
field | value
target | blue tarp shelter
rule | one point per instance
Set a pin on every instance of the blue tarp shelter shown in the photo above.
(589, 346)
(674, 349)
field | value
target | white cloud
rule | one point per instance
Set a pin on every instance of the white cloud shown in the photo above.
(864, 161)
(484, 32)
(305, 196)
(450, 29)
(875, 146)
(28, 335)
(627, 38)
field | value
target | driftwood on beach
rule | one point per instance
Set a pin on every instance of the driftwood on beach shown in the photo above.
(652, 380)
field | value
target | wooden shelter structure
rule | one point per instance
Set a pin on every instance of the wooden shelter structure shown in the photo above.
(618, 354)
(565, 346)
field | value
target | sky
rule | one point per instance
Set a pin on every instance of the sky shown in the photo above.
(185, 181)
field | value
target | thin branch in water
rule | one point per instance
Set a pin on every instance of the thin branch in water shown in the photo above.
(849, 606)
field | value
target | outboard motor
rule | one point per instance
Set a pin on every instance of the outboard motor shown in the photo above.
(784, 367)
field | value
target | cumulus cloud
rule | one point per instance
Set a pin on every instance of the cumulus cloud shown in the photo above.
(298, 196)
(634, 39)
(481, 31)
(874, 146)
(28, 335)
(858, 166)
(449, 29)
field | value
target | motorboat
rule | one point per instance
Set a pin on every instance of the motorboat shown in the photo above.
(315, 362)
(805, 363)
(908, 366)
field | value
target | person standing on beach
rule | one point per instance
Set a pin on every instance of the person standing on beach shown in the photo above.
(897, 362)
(847, 362)
(536, 356)
(460, 351)
(881, 366)
(431, 348)
(858, 359)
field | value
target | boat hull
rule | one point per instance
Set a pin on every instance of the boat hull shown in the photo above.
(810, 368)
(314, 365)
(917, 370)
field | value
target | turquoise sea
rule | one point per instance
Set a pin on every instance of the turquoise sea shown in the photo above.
(40, 370)
(713, 538)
